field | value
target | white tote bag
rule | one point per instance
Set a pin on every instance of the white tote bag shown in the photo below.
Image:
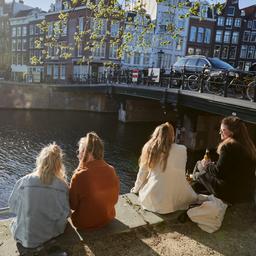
(209, 215)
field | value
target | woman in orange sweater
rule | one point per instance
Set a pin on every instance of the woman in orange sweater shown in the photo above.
(94, 186)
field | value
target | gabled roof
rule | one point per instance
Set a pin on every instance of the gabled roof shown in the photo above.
(24, 13)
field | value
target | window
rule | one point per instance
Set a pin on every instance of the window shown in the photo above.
(221, 21)
(99, 51)
(242, 13)
(24, 45)
(113, 51)
(146, 58)
(31, 42)
(198, 51)
(81, 24)
(200, 35)
(231, 11)
(136, 58)
(224, 53)
(62, 72)
(218, 37)
(14, 31)
(19, 45)
(19, 59)
(50, 29)
(249, 24)
(179, 44)
(166, 60)
(235, 38)
(190, 51)
(247, 66)
(55, 71)
(254, 24)
(162, 28)
(14, 45)
(229, 22)
(227, 36)
(253, 37)
(127, 58)
(237, 22)
(243, 51)
(31, 29)
(24, 31)
(216, 52)
(207, 36)
(114, 28)
(201, 64)
(14, 59)
(24, 59)
(49, 70)
(192, 36)
(64, 29)
(232, 52)
(250, 52)
(99, 26)
(36, 30)
(18, 31)
(191, 64)
(246, 36)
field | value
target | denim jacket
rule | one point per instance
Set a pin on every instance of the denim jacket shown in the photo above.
(41, 210)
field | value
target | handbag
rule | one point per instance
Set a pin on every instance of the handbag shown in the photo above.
(209, 215)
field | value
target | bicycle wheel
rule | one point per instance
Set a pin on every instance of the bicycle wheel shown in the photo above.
(237, 89)
(193, 83)
(250, 90)
(214, 86)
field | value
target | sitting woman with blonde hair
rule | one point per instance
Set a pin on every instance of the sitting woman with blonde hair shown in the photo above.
(94, 186)
(40, 200)
(161, 181)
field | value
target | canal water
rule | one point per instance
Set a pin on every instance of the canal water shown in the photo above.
(23, 134)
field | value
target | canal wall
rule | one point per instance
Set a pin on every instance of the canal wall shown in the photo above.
(31, 96)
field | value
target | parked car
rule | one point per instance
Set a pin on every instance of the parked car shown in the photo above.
(197, 63)
(215, 71)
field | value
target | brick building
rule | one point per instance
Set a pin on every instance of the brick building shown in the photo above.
(235, 35)
(86, 58)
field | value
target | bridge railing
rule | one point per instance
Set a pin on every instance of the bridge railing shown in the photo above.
(236, 84)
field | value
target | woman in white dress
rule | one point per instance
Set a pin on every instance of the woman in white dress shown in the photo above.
(161, 181)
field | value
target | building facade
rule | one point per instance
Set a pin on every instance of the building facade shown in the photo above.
(235, 35)
(24, 32)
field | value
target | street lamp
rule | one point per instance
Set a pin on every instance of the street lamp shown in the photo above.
(160, 57)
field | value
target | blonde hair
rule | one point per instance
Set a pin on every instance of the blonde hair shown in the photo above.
(91, 144)
(157, 149)
(239, 133)
(49, 164)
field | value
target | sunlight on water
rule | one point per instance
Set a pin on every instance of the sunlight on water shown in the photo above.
(24, 133)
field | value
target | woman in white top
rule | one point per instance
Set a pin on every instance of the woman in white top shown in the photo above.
(161, 181)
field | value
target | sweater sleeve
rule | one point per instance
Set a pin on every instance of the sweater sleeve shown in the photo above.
(73, 192)
(222, 166)
(141, 179)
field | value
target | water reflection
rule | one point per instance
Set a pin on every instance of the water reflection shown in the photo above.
(24, 133)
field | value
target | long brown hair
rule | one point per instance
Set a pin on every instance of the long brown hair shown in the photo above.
(156, 150)
(49, 164)
(92, 144)
(239, 133)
